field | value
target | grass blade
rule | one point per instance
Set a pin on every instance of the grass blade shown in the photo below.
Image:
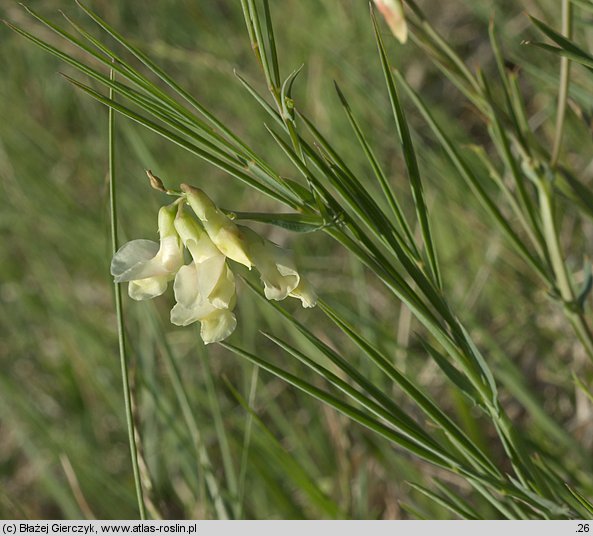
(290, 467)
(203, 461)
(399, 421)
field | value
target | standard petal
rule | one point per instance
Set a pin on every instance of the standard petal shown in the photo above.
(170, 253)
(147, 288)
(209, 273)
(218, 326)
(223, 232)
(186, 286)
(224, 293)
(130, 256)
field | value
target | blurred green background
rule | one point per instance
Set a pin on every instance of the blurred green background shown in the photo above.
(63, 444)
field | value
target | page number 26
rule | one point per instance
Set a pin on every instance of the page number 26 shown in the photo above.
(583, 527)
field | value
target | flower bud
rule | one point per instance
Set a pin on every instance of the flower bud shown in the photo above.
(166, 220)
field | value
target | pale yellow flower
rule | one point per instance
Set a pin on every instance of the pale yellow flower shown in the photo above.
(204, 289)
(277, 270)
(225, 235)
(148, 266)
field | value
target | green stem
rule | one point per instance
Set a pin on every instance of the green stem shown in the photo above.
(576, 318)
(247, 442)
(202, 457)
(564, 82)
(119, 314)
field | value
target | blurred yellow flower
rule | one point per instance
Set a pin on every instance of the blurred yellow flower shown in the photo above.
(393, 13)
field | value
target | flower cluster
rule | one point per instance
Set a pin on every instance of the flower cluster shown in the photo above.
(205, 288)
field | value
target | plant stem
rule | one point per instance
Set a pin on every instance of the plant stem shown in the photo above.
(247, 442)
(119, 314)
(564, 81)
(561, 273)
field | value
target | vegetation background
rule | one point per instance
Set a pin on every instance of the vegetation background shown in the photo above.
(63, 444)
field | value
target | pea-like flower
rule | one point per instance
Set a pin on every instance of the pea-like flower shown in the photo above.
(204, 289)
(275, 265)
(148, 266)
(277, 270)
(223, 232)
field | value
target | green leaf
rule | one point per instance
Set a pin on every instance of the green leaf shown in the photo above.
(156, 70)
(158, 104)
(298, 223)
(452, 506)
(351, 412)
(203, 460)
(500, 136)
(380, 175)
(271, 43)
(586, 503)
(180, 141)
(574, 190)
(474, 184)
(286, 95)
(429, 407)
(458, 379)
(289, 465)
(409, 156)
(399, 420)
(386, 401)
(569, 48)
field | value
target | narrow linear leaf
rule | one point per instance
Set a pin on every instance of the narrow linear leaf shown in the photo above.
(181, 142)
(379, 174)
(462, 513)
(156, 70)
(409, 156)
(582, 500)
(298, 223)
(351, 412)
(293, 469)
(474, 185)
(430, 408)
(399, 421)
